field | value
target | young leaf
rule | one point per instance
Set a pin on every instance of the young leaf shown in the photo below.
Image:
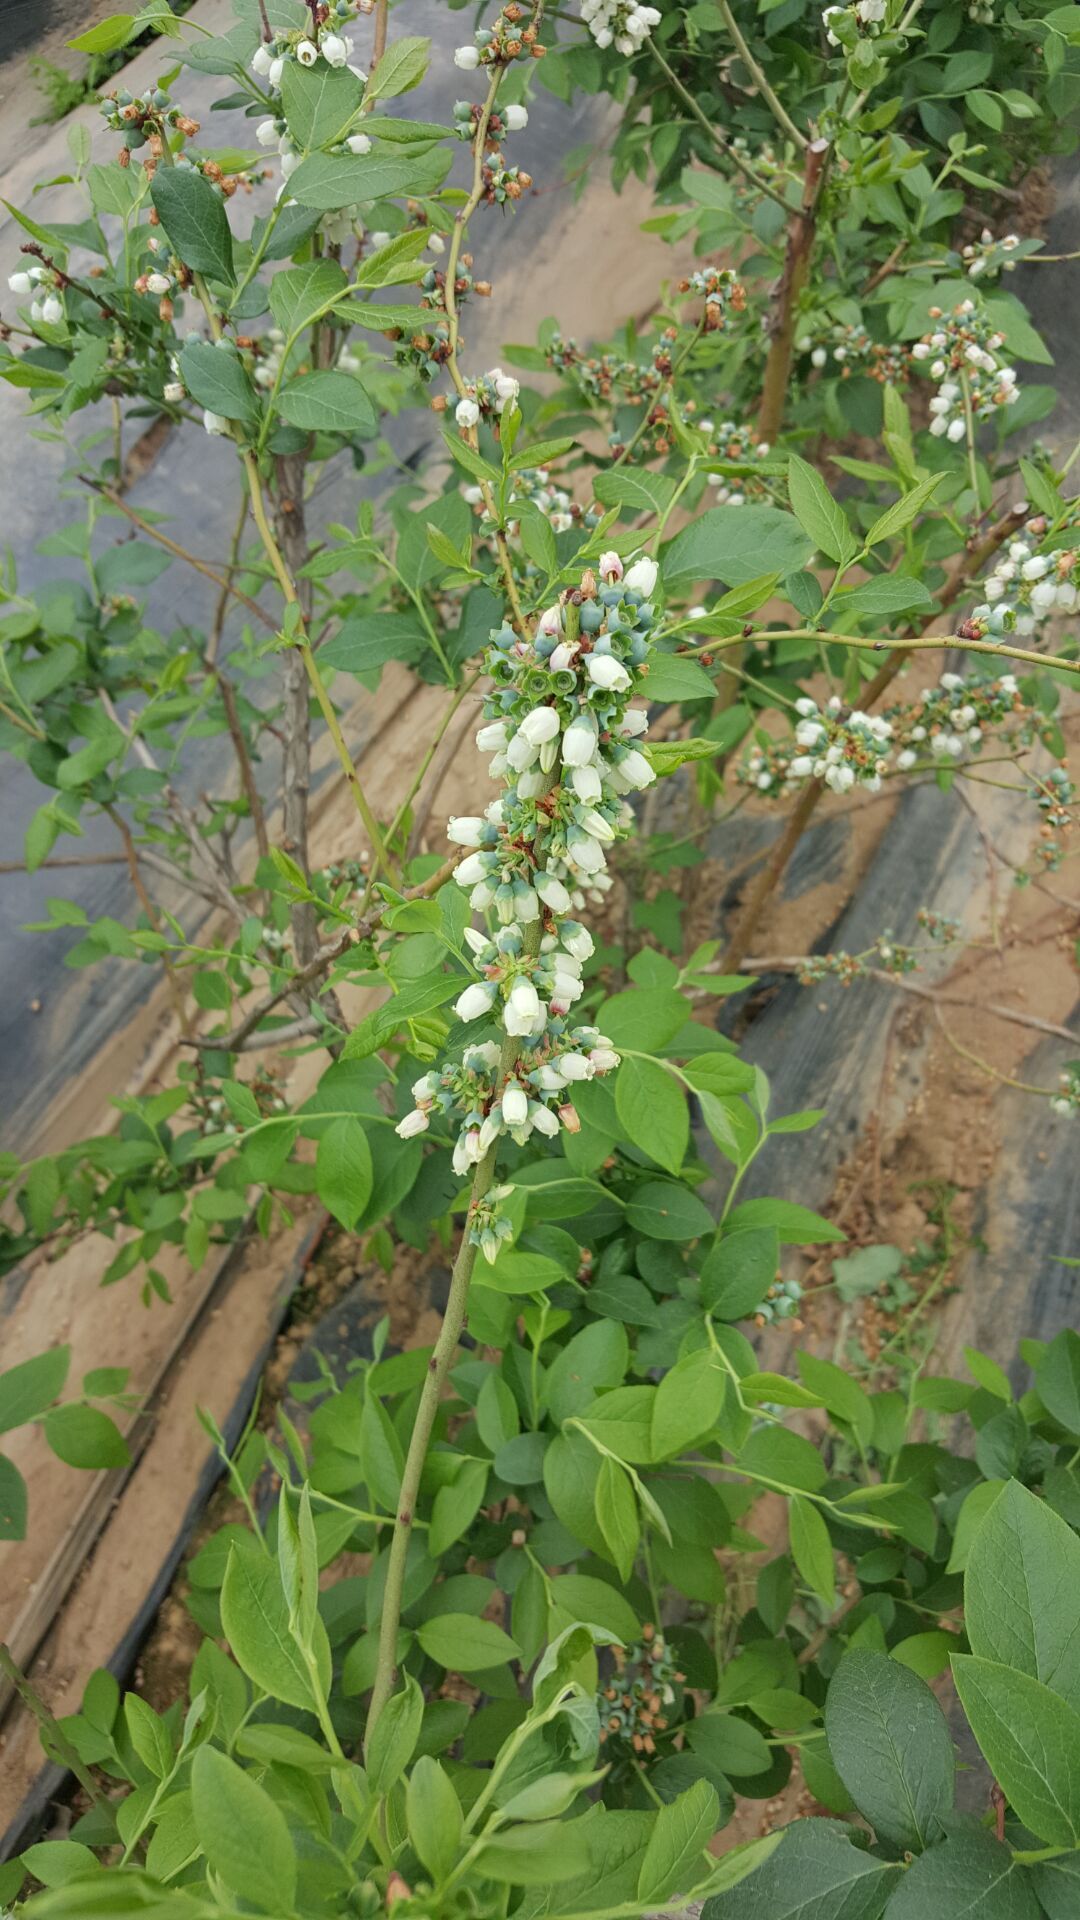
(343, 1170)
(434, 1815)
(28, 1389)
(327, 403)
(401, 67)
(903, 511)
(393, 1741)
(242, 1832)
(674, 1860)
(818, 513)
(652, 1108)
(811, 1547)
(85, 1437)
(255, 1616)
(617, 1515)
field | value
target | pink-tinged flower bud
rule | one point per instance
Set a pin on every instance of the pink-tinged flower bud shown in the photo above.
(604, 1059)
(570, 1119)
(412, 1124)
(610, 566)
(476, 1000)
(563, 657)
(642, 577)
(515, 1105)
(607, 673)
(550, 622)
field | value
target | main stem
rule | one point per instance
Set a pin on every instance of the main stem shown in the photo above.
(802, 228)
(434, 1380)
(291, 533)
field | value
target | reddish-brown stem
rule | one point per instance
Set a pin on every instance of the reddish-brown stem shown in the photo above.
(784, 313)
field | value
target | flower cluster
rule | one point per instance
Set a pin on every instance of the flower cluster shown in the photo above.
(985, 258)
(486, 397)
(308, 45)
(560, 728)
(504, 41)
(829, 745)
(536, 485)
(1067, 1102)
(1025, 586)
(622, 24)
(45, 287)
(501, 121)
(1054, 797)
(728, 441)
(965, 344)
(845, 25)
(720, 288)
(139, 117)
(633, 1707)
(950, 721)
(855, 352)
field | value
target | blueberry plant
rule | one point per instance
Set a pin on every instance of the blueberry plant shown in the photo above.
(571, 1644)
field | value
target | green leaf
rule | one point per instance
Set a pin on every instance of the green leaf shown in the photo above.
(13, 1501)
(215, 378)
(687, 1404)
(797, 1226)
(581, 1597)
(539, 1854)
(299, 292)
(665, 1211)
(1057, 1883)
(328, 181)
(776, 1454)
(86, 1437)
(319, 102)
(393, 1740)
(402, 66)
(673, 1859)
(194, 218)
(464, 1645)
(1030, 1739)
(652, 1108)
(675, 677)
(739, 1270)
(837, 1391)
(595, 1357)
(1057, 1379)
(890, 1744)
(816, 1873)
(617, 1515)
(108, 36)
(255, 1617)
(736, 545)
(343, 1170)
(327, 403)
(811, 1547)
(647, 1018)
(903, 511)
(434, 1815)
(640, 490)
(521, 1272)
(242, 1833)
(1020, 1592)
(972, 1875)
(456, 1506)
(818, 513)
(149, 1736)
(28, 1389)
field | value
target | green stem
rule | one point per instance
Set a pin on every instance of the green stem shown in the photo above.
(780, 113)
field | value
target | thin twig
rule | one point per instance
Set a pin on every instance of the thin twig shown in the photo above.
(53, 1738)
(181, 553)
